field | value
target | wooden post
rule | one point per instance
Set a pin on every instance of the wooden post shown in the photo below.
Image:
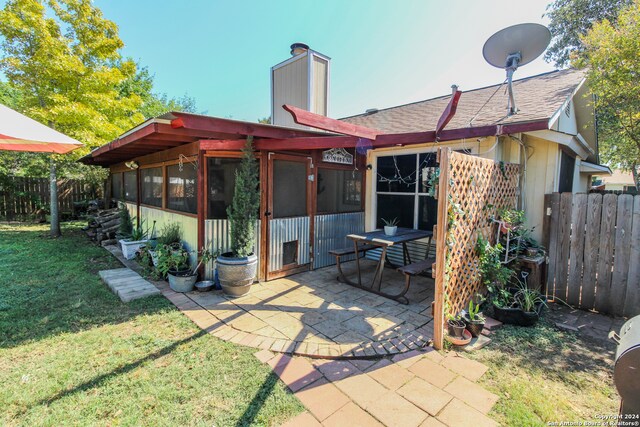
(200, 205)
(441, 249)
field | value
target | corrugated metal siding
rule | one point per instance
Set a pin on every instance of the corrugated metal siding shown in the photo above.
(330, 233)
(217, 236)
(417, 251)
(286, 230)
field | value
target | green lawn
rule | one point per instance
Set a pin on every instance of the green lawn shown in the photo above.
(546, 375)
(72, 354)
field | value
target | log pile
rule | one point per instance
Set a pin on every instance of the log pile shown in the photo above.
(103, 226)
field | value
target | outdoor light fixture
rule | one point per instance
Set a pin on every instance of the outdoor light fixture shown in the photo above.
(132, 164)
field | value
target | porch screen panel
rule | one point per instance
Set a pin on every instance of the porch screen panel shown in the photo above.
(289, 189)
(182, 188)
(221, 179)
(339, 190)
(151, 180)
(116, 186)
(131, 186)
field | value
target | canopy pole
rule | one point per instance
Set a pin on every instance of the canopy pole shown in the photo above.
(53, 190)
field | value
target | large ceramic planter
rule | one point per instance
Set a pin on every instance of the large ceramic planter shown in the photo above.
(390, 231)
(236, 274)
(182, 282)
(129, 248)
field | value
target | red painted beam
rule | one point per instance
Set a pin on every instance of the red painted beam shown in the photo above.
(221, 144)
(448, 112)
(235, 127)
(318, 121)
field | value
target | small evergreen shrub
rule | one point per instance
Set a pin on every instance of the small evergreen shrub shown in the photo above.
(243, 211)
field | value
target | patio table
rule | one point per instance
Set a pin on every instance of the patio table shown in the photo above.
(378, 238)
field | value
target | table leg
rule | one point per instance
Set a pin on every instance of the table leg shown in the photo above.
(355, 245)
(406, 254)
(377, 277)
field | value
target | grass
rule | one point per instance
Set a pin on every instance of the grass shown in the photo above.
(72, 354)
(545, 375)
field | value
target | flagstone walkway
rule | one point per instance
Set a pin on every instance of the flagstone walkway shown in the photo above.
(418, 388)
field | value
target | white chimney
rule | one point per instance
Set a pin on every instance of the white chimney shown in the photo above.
(301, 81)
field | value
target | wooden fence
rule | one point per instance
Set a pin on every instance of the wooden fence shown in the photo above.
(22, 197)
(594, 251)
(470, 192)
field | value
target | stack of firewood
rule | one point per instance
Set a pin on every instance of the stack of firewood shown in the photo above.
(103, 226)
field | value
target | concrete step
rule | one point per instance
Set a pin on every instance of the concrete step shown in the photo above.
(128, 284)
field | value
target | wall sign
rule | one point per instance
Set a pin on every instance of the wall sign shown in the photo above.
(337, 155)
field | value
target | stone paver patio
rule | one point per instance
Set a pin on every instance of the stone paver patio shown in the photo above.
(418, 388)
(312, 314)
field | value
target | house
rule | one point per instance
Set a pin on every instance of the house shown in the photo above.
(619, 181)
(318, 186)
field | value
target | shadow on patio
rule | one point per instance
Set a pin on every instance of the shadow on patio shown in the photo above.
(312, 314)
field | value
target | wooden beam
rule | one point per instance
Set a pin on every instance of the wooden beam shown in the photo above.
(448, 112)
(221, 144)
(307, 118)
(235, 127)
(441, 249)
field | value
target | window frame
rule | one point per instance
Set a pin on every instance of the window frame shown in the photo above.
(415, 193)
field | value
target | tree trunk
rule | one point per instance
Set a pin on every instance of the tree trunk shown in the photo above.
(53, 189)
(636, 178)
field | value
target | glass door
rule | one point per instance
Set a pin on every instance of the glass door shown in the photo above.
(288, 215)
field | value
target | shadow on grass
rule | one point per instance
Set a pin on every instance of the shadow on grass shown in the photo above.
(100, 379)
(51, 286)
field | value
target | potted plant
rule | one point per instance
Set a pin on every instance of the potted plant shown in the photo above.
(170, 235)
(455, 326)
(237, 268)
(390, 227)
(519, 306)
(181, 277)
(473, 319)
(510, 219)
(131, 238)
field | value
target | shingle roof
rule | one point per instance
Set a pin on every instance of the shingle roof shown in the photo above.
(537, 98)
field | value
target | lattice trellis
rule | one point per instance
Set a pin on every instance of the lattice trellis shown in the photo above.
(471, 190)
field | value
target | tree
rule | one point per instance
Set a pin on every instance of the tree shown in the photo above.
(67, 70)
(154, 104)
(610, 54)
(265, 120)
(572, 19)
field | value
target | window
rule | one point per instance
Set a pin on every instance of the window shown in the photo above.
(402, 187)
(339, 190)
(182, 189)
(567, 166)
(116, 186)
(131, 186)
(151, 186)
(221, 179)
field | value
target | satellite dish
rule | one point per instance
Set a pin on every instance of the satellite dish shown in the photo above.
(514, 46)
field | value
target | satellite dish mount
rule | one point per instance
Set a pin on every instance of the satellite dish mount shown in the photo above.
(515, 46)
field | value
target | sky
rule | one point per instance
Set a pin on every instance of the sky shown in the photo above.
(384, 53)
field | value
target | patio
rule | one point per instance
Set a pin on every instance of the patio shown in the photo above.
(313, 314)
